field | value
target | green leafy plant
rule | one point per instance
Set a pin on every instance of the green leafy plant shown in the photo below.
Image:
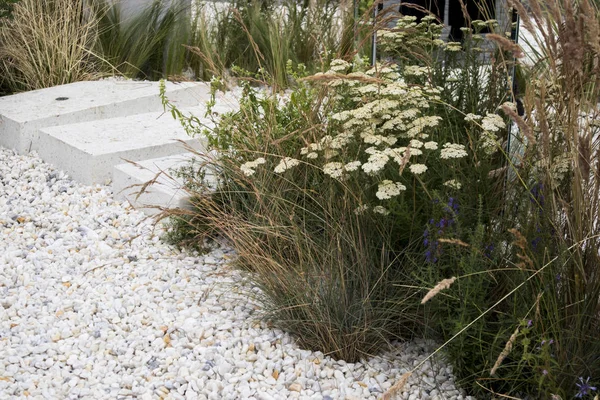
(327, 166)
(534, 295)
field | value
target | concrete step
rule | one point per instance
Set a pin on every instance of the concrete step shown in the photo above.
(23, 115)
(166, 189)
(88, 151)
(92, 130)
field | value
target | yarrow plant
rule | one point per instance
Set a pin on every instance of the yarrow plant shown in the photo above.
(285, 164)
(382, 126)
(249, 168)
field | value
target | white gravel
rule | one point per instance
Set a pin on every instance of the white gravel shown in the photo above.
(94, 306)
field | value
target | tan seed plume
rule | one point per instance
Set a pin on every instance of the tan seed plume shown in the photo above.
(526, 129)
(397, 387)
(506, 44)
(443, 284)
(454, 241)
(505, 352)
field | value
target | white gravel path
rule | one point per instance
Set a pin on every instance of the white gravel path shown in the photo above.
(94, 306)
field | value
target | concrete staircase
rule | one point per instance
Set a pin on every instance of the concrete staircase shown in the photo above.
(111, 131)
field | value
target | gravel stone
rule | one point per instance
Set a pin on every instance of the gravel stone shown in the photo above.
(93, 305)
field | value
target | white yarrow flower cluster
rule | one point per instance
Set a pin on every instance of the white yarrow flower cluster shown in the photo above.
(352, 166)
(415, 144)
(381, 210)
(341, 140)
(492, 123)
(342, 116)
(375, 163)
(390, 121)
(388, 72)
(286, 164)
(415, 70)
(470, 117)
(453, 184)
(417, 169)
(453, 46)
(453, 150)
(249, 168)
(334, 169)
(311, 148)
(361, 209)
(489, 143)
(388, 189)
(431, 145)
(340, 66)
(422, 122)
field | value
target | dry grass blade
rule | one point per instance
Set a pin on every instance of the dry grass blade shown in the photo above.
(329, 77)
(521, 243)
(259, 56)
(500, 395)
(213, 62)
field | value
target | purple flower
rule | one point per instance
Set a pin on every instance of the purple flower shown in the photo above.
(430, 256)
(488, 251)
(452, 206)
(545, 372)
(537, 194)
(584, 387)
(529, 323)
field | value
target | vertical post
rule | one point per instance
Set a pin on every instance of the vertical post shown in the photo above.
(512, 144)
(356, 25)
(377, 6)
(514, 36)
